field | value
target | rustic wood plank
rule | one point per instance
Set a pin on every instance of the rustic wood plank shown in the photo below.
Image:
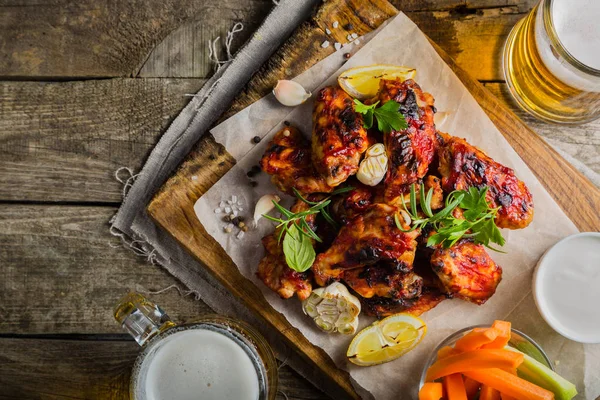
(62, 272)
(63, 141)
(169, 38)
(60, 38)
(91, 369)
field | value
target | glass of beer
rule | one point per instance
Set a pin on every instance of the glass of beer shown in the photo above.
(552, 61)
(214, 358)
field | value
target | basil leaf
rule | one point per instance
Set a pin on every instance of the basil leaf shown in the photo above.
(298, 249)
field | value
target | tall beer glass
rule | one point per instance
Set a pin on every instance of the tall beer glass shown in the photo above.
(552, 61)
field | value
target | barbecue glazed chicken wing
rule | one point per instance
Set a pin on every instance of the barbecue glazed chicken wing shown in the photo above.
(339, 137)
(367, 239)
(273, 269)
(288, 161)
(383, 281)
(410, 151)
(466, 271)
(463, 165)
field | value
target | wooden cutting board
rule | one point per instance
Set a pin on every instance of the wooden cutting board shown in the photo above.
(173, 206)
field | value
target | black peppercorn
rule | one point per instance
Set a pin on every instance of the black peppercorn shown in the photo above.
(286, 123)
(348, 27)
(347, 55)
(256, 139)
(253, 184)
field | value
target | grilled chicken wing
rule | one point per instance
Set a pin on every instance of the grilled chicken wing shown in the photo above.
(346, 206)
(383, 281)
(384, 307)
(467, 271)
(273, 269)
(463, 165)
(288, 161)
(410, 151)
(280, 278)
(339, 137)
(367, 239)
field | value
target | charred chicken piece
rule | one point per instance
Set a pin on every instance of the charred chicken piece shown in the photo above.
(383, 281)
(466, 271)
(280, 278)
(430, 182)
(463, 165)
(346, 206)
(410, 151)
(273, 269)
(288, 161)
(367, 239)
(384, 307)
(339, 137)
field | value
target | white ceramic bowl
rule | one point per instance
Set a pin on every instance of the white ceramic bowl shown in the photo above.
(566, 287)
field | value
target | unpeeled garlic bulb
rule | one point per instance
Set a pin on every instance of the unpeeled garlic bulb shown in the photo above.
(373, 167)
(333, 309)
(290, 93)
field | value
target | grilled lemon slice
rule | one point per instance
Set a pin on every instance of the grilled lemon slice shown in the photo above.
(386, 340)
(363, 82)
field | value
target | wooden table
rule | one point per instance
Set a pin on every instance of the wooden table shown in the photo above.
(88, 87)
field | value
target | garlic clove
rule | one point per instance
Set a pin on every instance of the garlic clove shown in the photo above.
(373, 167)
(264, 205)
(290, 93)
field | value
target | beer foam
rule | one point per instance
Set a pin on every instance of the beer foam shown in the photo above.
(199, 364)
(577, 25)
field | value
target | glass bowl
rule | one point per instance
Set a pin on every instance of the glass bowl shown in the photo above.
(518, 340)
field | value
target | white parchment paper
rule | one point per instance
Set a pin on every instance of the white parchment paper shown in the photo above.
(400, 42)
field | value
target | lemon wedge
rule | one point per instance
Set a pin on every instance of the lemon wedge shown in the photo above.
(386, 340)
(363, 82)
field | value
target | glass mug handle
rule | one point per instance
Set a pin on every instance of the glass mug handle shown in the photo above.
(141, 318)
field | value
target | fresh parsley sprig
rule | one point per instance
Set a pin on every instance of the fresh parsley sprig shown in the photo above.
(297, 246)
(388, 115)
(478, 223)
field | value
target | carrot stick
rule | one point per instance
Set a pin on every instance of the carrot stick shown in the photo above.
(488, 393)
(475, 339)
(509, 384)
(455, 387)
(505, 397)
(472, 360)
(471, 387)
(431, 391)
(502, 328)
(445, 352)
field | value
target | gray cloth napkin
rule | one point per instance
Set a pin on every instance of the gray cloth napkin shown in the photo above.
(138, 232)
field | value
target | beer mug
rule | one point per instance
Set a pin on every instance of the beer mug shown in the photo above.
(552, 61)
(212, 358)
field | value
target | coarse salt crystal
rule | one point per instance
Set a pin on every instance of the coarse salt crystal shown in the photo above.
(325, 44)
(235, 214)
(354, 36)
(336, 24)
(217, 210)
(241, 209)
(356, 41)
(327, 31)
(349, 37)
(229, 202)
(227, 210)
(234, 199)
(239, 203)
(337, 45)
(222, 204)
(240, 234)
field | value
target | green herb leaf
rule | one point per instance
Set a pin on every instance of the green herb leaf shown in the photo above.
(298, 249)
(389, 117)
(367, 112)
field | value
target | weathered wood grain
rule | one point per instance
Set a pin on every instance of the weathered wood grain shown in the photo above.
(63, 141)
(62, 272)
(91, 370)
(60, 38)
